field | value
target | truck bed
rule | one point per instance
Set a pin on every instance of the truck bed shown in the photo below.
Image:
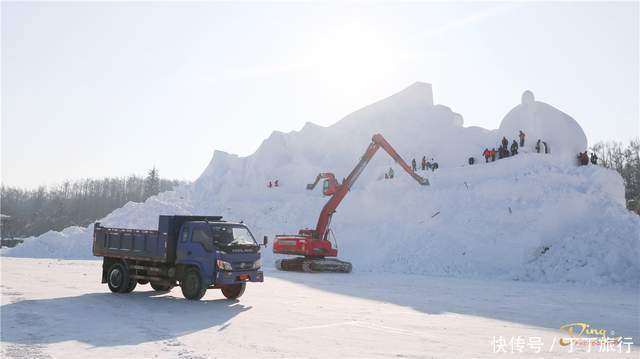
(143, 244)
(138, 244)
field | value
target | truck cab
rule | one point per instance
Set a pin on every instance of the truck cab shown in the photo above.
(225, 253)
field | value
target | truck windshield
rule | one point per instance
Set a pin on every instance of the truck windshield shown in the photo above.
(232, 235)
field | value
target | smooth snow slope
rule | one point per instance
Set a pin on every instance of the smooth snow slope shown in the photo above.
(530, 217)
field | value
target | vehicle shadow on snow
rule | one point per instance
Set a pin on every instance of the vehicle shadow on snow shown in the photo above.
(107, 319)
(533, 304)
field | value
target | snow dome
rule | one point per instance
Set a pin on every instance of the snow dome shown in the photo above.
(539, 120)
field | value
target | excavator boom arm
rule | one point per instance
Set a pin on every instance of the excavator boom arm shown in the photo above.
(330, 207)
(382, 142)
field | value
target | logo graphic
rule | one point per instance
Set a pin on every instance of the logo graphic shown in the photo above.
(584, 331)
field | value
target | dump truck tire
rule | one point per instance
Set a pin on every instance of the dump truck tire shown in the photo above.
(118, 278)
(131, 286)
(192, 286)
(234, 291)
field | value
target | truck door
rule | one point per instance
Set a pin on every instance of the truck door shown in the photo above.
(196, 247)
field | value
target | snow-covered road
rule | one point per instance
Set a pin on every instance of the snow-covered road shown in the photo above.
(58, 308)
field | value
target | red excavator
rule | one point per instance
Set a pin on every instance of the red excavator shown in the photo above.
(314, 245)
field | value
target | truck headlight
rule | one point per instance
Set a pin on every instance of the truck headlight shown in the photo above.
(223, 265)
(257, 264)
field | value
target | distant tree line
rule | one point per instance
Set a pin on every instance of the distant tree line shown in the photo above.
(626, 160)
(80, 202)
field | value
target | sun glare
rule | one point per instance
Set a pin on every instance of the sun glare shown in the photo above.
(351, 54)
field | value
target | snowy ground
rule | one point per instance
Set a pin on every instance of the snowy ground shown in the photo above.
(58, 308)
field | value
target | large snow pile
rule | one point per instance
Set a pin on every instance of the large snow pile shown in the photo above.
(529, 217)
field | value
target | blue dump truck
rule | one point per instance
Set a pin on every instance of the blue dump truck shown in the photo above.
(198, 252)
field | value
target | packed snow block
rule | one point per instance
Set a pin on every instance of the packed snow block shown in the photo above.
(541, 121)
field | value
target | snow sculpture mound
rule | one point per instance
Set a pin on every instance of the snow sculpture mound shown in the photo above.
(539, 120)
(527, 217)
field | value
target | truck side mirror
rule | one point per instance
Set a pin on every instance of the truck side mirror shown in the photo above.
(265, 240)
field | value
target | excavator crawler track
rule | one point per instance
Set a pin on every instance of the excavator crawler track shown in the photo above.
(313, 265)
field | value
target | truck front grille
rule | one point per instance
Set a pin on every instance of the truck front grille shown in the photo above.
(242, 265)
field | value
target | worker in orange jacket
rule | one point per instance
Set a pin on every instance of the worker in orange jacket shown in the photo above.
(486, 155)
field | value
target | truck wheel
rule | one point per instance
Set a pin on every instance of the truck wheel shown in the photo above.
(118, 278)
(160, 287)
(143, 281)
(234, 291)
(132, 286)
(192, 286)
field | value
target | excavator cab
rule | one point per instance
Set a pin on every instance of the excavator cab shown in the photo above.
(328, 187)
(329, 183)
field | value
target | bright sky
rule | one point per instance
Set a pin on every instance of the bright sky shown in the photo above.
(111, 89)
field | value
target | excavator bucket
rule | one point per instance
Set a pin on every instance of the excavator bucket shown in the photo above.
(313, 265)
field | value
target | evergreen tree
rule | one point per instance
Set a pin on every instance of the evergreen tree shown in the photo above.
(151, 183)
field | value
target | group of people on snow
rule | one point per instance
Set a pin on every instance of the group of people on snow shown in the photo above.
(424, 165)
(583, 158)
(503, 151)
(506, 150)
(389, 174)
(539, 146)
(273, 184)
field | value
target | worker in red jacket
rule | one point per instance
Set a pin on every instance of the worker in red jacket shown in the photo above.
(486, 155)
(493, 154)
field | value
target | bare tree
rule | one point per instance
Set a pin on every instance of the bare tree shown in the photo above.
(80, 202)
(625, 160)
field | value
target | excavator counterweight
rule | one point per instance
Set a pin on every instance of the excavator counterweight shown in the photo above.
(314, 245)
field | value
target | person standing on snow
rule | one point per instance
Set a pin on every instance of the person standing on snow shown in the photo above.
(514, 148)
(424, 163)
(505, 142)
(521, 135)
(390, 172)
(583, 159)
(538, 146)
(486, 153)
(414, 167)
(546, 147)
(594, 158)
(493, 154)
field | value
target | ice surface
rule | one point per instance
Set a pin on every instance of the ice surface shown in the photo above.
(532, 217)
